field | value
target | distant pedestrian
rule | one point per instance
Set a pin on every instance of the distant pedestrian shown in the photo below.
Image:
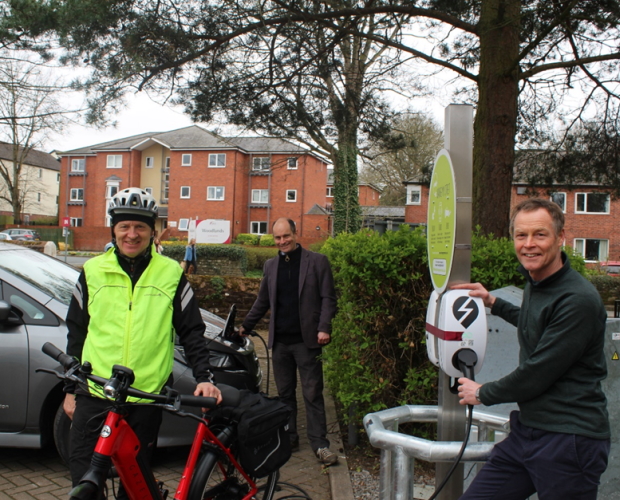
(190, 263)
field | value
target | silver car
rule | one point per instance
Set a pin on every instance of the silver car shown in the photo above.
(35, 291)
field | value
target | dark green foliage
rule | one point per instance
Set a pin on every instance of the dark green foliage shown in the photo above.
(205, 251)
(257, 256)
(607, 286)
(493, 262)
(377, 358)
(247, 239)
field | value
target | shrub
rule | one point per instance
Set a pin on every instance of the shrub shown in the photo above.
(257, 256)
(247, 239)
(176, 251)
(494, 262)
(377, 350)
(266, 240)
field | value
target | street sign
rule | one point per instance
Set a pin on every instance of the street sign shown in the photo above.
(441, 220)
(66, 222)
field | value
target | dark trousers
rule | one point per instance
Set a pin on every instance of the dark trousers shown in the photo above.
(88, 419)
(556, 466)
(287, 359)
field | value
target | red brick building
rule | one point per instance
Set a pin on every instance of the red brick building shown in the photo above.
(589, 211)
(195, 174)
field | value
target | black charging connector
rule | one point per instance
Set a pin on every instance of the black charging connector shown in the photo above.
(465, 360)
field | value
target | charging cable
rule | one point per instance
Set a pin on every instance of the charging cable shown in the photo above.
(464, 360)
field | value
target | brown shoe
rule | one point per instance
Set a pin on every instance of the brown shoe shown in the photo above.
(326, 456)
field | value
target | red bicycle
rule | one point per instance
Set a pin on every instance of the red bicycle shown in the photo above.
(212, 471)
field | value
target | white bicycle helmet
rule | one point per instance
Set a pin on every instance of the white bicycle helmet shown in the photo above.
(133, 201)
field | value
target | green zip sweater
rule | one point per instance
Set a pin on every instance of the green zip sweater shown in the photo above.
(561, 331)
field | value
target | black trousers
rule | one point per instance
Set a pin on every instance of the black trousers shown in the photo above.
(554, 465)
(90, 413)
(287, 359)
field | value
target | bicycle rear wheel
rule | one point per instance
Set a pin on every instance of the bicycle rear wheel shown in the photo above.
(215, 478)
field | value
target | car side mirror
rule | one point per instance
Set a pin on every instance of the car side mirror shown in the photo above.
(9, 315)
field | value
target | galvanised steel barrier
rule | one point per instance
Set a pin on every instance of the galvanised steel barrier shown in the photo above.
(399, 451)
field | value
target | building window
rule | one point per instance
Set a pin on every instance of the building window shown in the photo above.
(217, 161)
(149, 162)
(149, 191)
(592, 203)
(76, 222)
(183, 224)
(291, 195)
(261, 163)
(414, 195)
(592, 249)
(115, 161)
(77, 194)
(56, 200)
(167, 162)
(292, 163)
(58, 178)
(330, 192)
(185, 192)
(112, 189)
(215, 193)
(38, 197)
(78, 165)
(559, 199)
(40, 173)
(186, 160)
(165, 182)
(257, 227)
(260, 195)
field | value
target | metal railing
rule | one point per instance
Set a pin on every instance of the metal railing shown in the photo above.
(399, 451)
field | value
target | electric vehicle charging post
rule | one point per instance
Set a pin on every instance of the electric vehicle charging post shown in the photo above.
(449, 253)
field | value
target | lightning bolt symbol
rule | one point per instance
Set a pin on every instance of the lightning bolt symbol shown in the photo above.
(466, 308)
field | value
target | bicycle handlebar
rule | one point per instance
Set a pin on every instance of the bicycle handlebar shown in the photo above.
(230, 395)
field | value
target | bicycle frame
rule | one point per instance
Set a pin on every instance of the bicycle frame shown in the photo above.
(118, 443)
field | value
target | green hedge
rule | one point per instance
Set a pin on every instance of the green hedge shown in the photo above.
(266, 240)
(247, 239)
(176, 251)
(257, 256)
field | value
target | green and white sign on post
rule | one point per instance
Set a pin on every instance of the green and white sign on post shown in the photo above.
(441, 221)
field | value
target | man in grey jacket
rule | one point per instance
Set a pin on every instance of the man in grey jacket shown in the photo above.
(298, 287)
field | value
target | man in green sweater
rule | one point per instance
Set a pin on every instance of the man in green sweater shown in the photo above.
(559, 439)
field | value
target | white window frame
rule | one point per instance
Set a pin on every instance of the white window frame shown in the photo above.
(188, 195)
(291, 163)
(214, 160)
(212, 193)
(258, 195)
(77, 165)
(114, 161)
(294, 193)
(255, 227)
(149, 162)
(108, 189)
(76, 221)
(74, 194)
(579, 245)
(559, 193)
(329, 193)
(585, 195)
(261, 163)
(183, 224)
(411, 190)
(186, 160)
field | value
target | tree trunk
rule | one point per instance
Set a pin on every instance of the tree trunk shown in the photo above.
(347, 216)
(496, 116)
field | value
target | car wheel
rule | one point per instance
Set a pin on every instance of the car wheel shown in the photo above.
(62, 426)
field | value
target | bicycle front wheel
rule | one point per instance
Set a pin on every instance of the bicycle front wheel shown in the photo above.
(215, 478)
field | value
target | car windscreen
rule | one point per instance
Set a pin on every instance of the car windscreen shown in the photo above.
(49, 275)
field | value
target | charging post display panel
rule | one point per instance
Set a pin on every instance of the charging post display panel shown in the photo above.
(441, 221)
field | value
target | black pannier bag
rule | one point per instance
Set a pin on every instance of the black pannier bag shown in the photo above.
(262, 438)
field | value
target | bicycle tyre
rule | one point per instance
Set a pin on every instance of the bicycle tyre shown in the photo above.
(216, 478)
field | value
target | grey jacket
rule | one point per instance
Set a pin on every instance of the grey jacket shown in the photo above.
(317, 297)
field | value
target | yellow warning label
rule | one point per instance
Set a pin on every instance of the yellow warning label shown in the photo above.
(615, 356)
